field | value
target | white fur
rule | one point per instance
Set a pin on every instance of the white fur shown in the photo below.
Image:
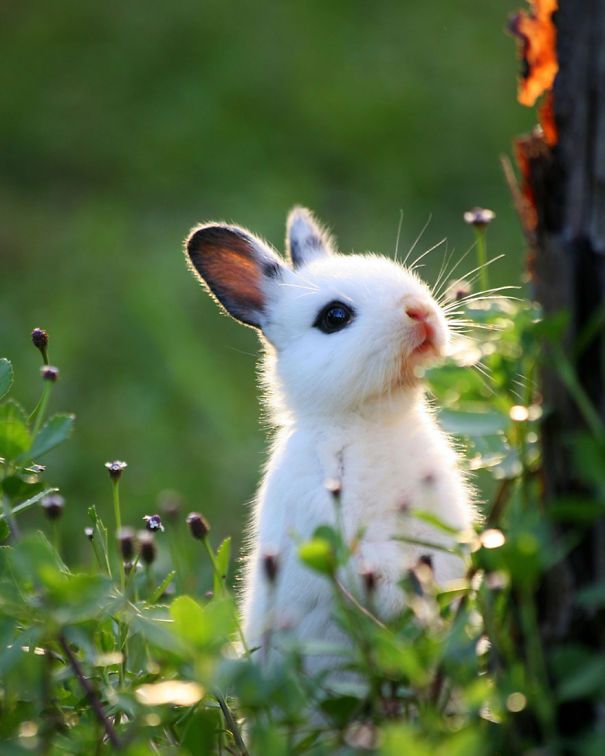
(348, 406)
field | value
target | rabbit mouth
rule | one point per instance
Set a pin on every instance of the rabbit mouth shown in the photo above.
(425, 334)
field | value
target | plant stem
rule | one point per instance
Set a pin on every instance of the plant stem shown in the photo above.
(10, 519)
(90, 693)
(216, 572)
(118, 518)
(482, 257)
(231, 723)
(215, 569)
(537, 667)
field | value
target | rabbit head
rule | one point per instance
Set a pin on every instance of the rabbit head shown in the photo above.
(339, 329)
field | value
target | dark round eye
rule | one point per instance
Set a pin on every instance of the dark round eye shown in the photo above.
(333, 317)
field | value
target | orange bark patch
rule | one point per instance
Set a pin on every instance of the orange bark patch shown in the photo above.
(537, 36)
(547, 120)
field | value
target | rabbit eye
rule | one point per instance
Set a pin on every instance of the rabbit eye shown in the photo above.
(333, 317)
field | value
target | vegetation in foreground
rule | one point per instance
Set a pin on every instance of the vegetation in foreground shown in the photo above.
(116, 654)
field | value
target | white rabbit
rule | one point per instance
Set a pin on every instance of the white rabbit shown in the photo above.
(345, 338)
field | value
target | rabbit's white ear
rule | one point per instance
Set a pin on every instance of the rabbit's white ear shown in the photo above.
(305, 238)
(237, 267)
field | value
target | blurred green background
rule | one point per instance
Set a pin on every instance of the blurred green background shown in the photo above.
(124, 123)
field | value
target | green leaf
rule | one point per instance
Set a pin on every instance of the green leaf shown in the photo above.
(35, 561)
(592, 597)
(30, 502)
(159, 591)
(200, 733)
(21, 486)
(473, 423)
(54, 432)
(431, 519)
(203, 626)
(15, 437)
(587, 679)
(318, 554)
(6, 376)
(222, 566)
(99, 540)
(341, 709)
(77, 598)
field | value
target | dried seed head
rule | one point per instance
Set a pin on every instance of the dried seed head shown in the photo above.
(147, 547)
(50, 373)
(89, 533)
(370, 580)
(270, 566)
(170, 503)
(115, 469)
(126, 540)
(40, 338)
(334, 487)
(479, 217)
(154, 523)
(426, 560)
(458, 290)
(198, 525)
(53, 506)
(36, 469)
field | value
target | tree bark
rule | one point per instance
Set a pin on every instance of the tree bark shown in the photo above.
(567, 181)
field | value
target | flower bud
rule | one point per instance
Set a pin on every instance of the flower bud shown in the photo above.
(40, 338)
(115, 469)
(89, 533)
(53, 506)
(50, 373)
(146, 547)
(126, 540)
(479, 217)
(198, 525)
(40, 341)
(270, 567)
(154, 523)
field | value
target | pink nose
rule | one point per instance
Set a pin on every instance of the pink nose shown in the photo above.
(417, 312)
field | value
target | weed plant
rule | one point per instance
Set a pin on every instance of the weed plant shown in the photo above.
(114, 655)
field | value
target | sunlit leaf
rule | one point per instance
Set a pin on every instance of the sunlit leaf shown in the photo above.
(318, 554)
(14, 432)
(176, 692)
(203, 626)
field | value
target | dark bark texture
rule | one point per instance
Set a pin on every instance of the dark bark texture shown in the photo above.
(568, 184)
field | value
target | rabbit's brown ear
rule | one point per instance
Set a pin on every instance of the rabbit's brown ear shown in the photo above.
(236, 266)
(305, 238)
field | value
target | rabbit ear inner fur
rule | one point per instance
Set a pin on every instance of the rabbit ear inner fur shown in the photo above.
(237, 267)
(305, 238)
